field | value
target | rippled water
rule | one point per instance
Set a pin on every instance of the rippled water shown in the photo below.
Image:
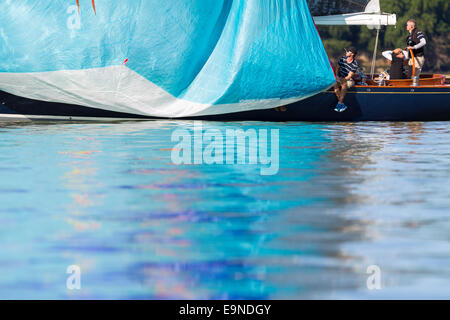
(108, 198)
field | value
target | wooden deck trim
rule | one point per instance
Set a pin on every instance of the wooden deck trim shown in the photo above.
(406, 87)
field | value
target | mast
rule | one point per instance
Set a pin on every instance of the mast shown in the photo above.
(374, 58)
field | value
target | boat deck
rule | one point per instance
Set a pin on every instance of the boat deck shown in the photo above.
(428, 80)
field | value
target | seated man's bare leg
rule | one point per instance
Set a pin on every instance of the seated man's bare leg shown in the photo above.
(337, 91)
(343, 93)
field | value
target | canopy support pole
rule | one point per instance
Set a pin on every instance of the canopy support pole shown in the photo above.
(374, 59)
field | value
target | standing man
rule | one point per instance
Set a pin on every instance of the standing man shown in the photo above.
(347, 67)
(416, 42)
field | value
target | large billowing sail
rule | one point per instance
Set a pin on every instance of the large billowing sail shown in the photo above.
(171, 58)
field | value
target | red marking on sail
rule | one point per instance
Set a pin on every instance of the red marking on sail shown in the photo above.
(93, 6)
(125, 62)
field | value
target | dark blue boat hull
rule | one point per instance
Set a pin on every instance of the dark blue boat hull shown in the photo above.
(365, 104)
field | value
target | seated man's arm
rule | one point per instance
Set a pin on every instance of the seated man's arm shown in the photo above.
(387, 54)
(352, 71)
(406, 54)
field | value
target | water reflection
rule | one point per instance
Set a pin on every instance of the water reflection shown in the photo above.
(107, 197)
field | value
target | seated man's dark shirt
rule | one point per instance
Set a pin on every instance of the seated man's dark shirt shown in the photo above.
(345, 68)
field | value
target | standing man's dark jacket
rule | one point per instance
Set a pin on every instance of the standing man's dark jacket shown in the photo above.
(414, 39)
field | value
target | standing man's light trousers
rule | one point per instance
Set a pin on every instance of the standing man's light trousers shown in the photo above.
(420, 61)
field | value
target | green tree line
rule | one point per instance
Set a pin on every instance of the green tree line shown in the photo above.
(432, 18)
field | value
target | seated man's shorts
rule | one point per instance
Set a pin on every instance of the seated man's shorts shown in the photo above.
(350, 83)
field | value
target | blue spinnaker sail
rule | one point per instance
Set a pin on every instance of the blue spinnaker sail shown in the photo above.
(169, 58)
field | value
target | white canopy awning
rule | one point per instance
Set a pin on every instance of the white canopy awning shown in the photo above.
(372, 20)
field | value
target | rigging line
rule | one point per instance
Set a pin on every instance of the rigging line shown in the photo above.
(356, 3)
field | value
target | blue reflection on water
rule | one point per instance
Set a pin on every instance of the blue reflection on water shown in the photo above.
(107, 197)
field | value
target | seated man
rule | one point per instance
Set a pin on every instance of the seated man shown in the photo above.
(398, 59)
(347, 67)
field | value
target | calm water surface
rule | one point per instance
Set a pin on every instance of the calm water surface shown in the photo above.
(108, 198)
